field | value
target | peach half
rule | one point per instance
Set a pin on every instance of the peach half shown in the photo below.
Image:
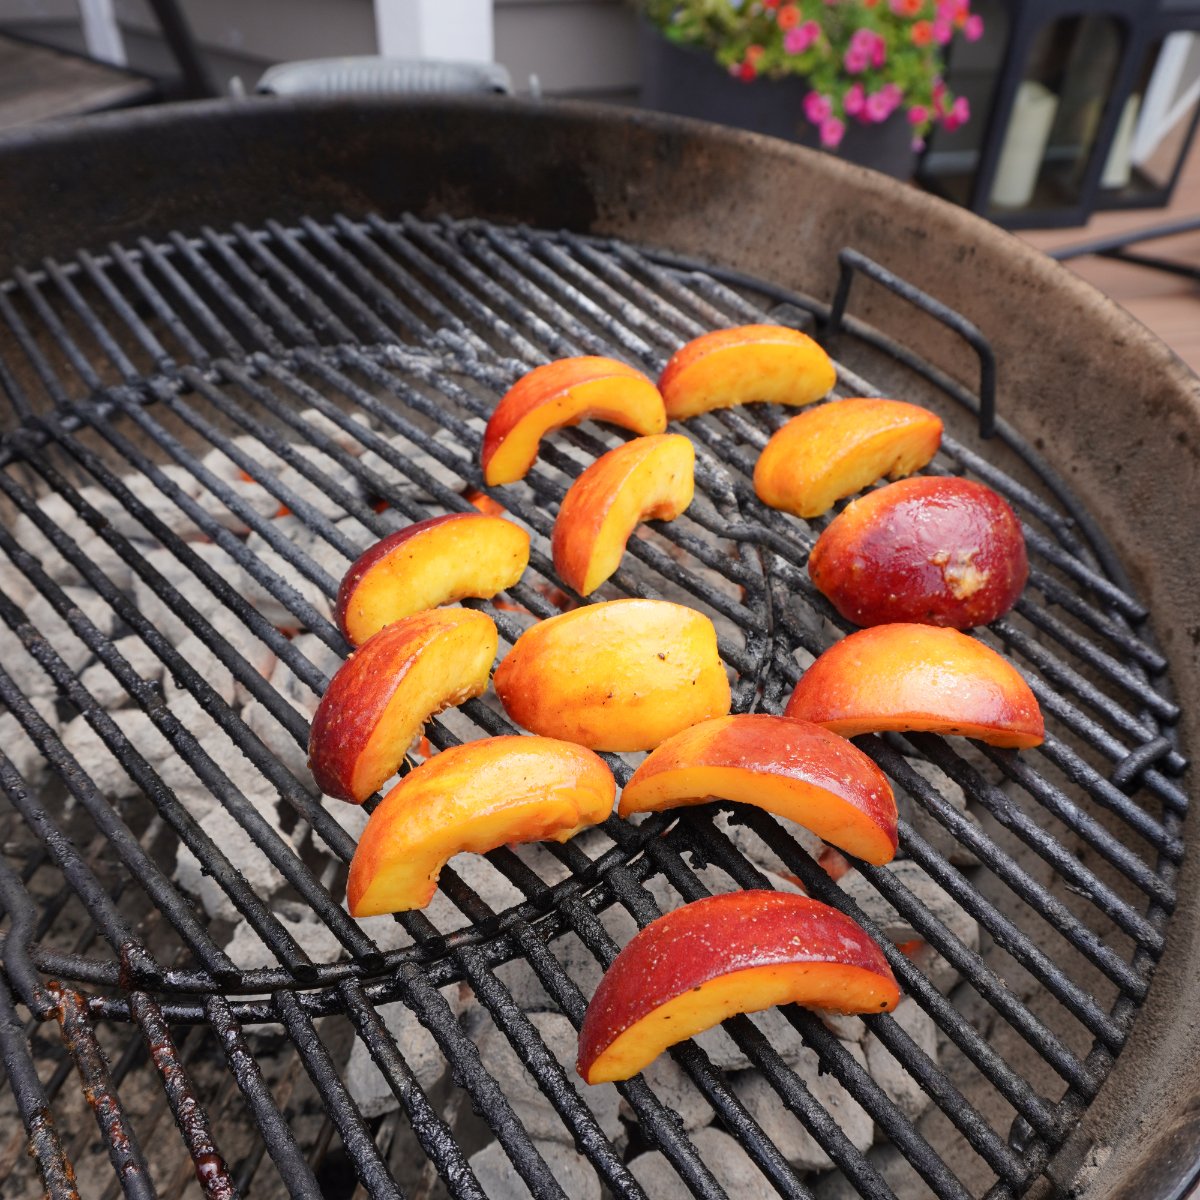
(561, 393)
(938, 550)
(623, 675)
(918, 677)
(735, 953)
(430, 563)
(790, 768)
(738, 366)
(473, 797)
(388, 688)
(647, 479)
(840, 448)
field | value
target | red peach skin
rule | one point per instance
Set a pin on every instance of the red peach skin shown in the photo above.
(742, 365)
(918, 677)
(473, 797)
(564, 393)
(840, 448)
(647, 479)
(735, 953)
(382, 695)
(936, 550)
(428, 564)
(790, 768)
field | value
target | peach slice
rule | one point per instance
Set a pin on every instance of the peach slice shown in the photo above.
(840, 448)
(737, 366)
(564, 393)
(918, 677)
(647, 479)
(473, 797)
(941, 551)
(735, 953)
(790, 768)
(623, 675)
(427, 564)
(388, 688)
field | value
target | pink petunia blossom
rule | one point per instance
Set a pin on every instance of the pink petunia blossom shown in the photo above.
(918, 144)
(973, 28)
(958, 115)
(855, 61)
(877, 107)
(918, 114)
(879, 53)
(894, 93)
(853, 100)
(817, 107)
(943, 31)
(832, 131)
(797, 40)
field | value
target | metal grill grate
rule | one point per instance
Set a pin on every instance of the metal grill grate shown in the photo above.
(344, 363)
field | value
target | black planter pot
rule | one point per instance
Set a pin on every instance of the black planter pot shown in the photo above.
(689, 83)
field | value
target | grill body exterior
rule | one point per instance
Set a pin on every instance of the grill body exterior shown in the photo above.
(1097, 396)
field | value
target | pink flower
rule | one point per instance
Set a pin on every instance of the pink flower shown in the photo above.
(855, 62)
(943, 31)
(797, 40)
(893, 92)
(817, 107)
(973, 28)
(918, 144)
(918, 114)
(878, 107)
(852, 101)
(879, 53)
(959, 115)
(831, 132)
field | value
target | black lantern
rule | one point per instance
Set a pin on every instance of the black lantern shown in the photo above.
(1079, 105)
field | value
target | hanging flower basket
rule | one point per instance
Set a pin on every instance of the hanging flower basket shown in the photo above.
(860, 78)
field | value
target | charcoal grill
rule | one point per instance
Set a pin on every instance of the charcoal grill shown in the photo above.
(254, 278)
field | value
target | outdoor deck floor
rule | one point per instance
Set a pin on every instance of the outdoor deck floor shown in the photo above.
(1167, 304)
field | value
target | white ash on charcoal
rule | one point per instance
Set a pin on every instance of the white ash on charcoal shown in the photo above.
(272, 607)
(102, 684)
(313, 936)
(899, 1086)
(927, 825)
(528, 1101)
(146, 491)
(314, 491)
(54, 628)
(19, 749)
(292, 756)
(161, 612)
(758, 852)
(24, 670)
(110, 778)
(211, 669)
(499, 1179)
(365, 1082)
(673, 1088)
(250, 493)
(58, 567)
(844, 1026)
(325, 428)
(291, 687)
(732, 1167)
(795, 1142)
(932, 899)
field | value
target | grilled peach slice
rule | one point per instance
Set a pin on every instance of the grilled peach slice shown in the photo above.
(427, 564)
(840, 448)
(710, 959)
(790, 768)
(564, 393)
(941, 551)
(623, 675)
(647, 479)
(737, 366)
(918, 677)
(473, 797)
(388, 688)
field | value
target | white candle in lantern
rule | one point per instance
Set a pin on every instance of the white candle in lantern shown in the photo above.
(1024, 144)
